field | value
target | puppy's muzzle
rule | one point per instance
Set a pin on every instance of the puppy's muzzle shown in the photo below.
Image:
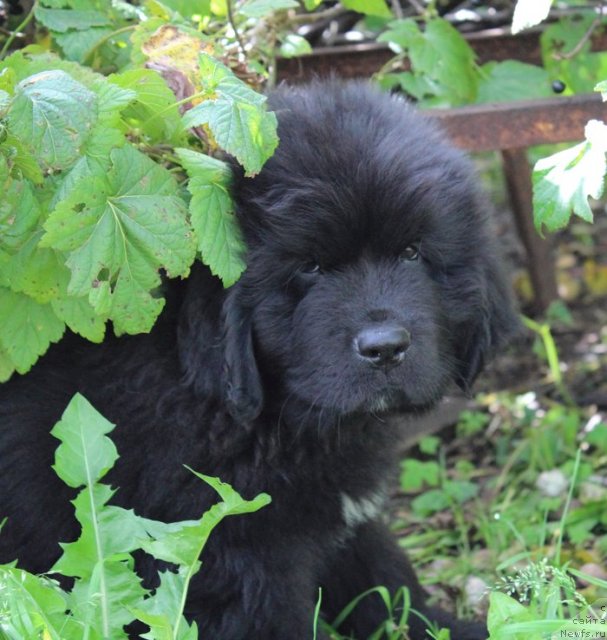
(382, 345)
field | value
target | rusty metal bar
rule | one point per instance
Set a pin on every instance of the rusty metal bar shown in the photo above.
(363, 60)
(510, 125)
(540, 261)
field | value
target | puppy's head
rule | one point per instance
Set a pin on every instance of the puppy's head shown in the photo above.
(372, 281)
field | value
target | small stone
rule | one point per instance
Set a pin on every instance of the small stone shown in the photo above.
(475, 591)
(594, 570)
(552, 483)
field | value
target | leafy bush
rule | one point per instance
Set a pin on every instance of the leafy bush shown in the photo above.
(107, 593)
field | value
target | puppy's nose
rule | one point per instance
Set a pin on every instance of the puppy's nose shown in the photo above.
(382, 345)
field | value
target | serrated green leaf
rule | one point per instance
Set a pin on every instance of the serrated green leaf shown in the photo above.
(24, 63)
(27, 328)
(294, 45)
(504, 609)
(24, 160)
(121, 228)
(7, 368)
(109, 130)
(602, 87)
(85, 454)
(80, 317)
(563, 182)
(63, 20)
(262, 8)
(528, 13)
(134, 309)
(154, 111)
(219, 238)
(38, 272)
(33, 607)
(162, 612)
(19, 214)
(107, 584)
(236, 116)
(54, 114)
(183, 545)
(78, 45)
(512, 80)
(441, 59)
(104, 601)
(368, 7)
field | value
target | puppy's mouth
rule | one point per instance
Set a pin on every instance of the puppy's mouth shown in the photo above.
(390, 401)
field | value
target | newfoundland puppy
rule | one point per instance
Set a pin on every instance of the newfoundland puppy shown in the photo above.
(371, 285)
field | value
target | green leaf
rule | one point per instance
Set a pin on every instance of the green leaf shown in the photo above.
(219, 238)
(163, 612)
(7, 367)
(121, 228)
(236, 116)
(23, 159)
(294, 45)
(107, 585)
(310, 5)
(153, 110)
(54, 114)
(504, 610)
(602, 87)
(64, 19)
(85, 454)
(460, 490)
(578, 73)
(528, 13)
(368, 7)
(19, 214)
(262, 8)
(415, 473)
(187, 8)
(80, 317)
(33, 607)
(104, 601)
(440, 55)
(563, 182)
(182, 545)
(108, 132)
(27, 328)
(430, 502)
(36, 271)
(78, 45)
(512, 80)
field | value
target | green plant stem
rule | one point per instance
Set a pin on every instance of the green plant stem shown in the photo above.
(576, 468)
(101, 41)
(14, 34)
(552, 356)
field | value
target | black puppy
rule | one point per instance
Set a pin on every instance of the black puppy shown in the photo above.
(371, 285)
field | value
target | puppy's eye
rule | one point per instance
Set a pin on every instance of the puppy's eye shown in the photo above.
(410, 253)
(310, 268)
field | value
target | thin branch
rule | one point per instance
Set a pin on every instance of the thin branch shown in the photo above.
(17, 32)
(233, 25)
(397, 9)
(584, 39)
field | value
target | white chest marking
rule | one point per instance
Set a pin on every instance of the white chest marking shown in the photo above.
(356, 512)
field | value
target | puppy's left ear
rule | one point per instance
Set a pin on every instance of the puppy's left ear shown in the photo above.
(494, 322)
(241, 380)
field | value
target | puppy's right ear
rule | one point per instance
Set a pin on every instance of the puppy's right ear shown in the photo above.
(242, 382)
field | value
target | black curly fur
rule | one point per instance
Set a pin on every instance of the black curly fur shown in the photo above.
(260, 385)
